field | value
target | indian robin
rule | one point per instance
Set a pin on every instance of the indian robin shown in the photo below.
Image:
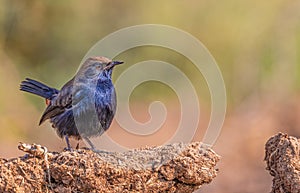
(84, 106)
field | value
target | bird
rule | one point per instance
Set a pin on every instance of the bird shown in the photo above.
(85, 106)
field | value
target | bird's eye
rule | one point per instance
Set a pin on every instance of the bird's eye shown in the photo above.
(97, 65)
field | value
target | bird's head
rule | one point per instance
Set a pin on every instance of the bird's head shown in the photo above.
(95, 66)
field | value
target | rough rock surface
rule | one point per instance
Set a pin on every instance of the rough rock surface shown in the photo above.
(283, 162)
(170, 168)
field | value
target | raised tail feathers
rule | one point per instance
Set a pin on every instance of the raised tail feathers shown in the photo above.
(38, 88)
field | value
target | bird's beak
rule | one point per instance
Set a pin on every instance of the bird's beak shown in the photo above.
(112, 64)
(116, 62)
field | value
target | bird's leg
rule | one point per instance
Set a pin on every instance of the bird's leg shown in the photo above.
(68, 143)
(93, 148)
(90, 143)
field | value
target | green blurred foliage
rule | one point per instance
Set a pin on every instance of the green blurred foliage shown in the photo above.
(255, 43)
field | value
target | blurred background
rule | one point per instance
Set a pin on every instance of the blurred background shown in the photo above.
(255, 43)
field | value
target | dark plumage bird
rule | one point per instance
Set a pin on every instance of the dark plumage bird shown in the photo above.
(85, 105)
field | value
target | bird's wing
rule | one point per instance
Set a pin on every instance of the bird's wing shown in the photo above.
(67, 97)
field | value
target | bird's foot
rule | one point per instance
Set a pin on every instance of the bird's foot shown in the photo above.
(68, 149)
(100, 151)
(90, 143)
(92, 146)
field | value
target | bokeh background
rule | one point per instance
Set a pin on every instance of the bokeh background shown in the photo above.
(256, 44)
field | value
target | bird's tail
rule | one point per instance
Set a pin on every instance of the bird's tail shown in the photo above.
(40, 89)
